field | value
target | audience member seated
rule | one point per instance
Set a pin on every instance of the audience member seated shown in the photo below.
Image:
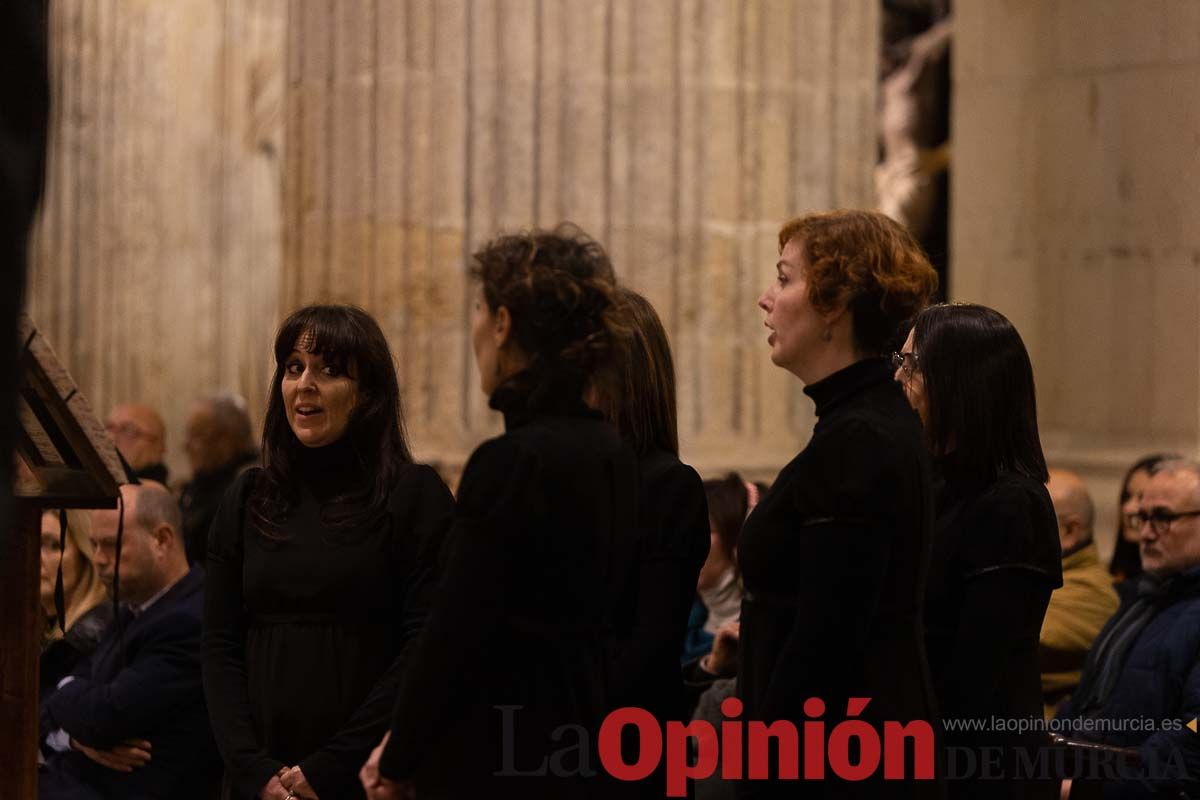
(1143, 665)
(139, 434)
(85, 606)
(131, 721)
(721, 661)
(1086, 600)
(219, 445)
(1126, 565)
(719, 589)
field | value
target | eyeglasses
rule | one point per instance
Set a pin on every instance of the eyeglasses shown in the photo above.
(127, 430)
(906, 363)
(1160, 519)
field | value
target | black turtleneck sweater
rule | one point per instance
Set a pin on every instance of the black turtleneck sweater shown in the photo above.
(543, 536)
(306, 639)
(834, 559)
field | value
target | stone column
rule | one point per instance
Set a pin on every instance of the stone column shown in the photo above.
(679, 133)
(1074, 213)
(156, 260)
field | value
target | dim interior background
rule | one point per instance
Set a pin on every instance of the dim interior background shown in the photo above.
(216, 163)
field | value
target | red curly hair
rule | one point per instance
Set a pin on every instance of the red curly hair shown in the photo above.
(867, 261)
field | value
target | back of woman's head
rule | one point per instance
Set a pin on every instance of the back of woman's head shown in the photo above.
(637, 392)
(868, 261)
(558, 288)
(979, 387)
(349, 338)
(730, 500)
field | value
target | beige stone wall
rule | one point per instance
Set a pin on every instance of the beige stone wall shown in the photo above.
(156, 259)
(236, 159)
(1076, 212)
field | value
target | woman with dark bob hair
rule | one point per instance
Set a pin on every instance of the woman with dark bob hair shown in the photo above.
(996, 553)
(833, 557)
(638, 396)
(320, 567)
(543, 537)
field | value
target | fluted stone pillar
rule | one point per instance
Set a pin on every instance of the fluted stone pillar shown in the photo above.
(679, 133)
(215, 164)
(1074, 213)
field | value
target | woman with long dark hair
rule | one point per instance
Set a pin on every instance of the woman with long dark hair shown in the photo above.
(510, 666)
(833, 556)
(320, 567)
(996, 553)
(1126, 563)
(638, 397)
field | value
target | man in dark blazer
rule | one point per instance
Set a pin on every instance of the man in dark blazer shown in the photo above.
(131, 722)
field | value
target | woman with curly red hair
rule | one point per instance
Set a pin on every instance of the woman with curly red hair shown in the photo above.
(833, 557)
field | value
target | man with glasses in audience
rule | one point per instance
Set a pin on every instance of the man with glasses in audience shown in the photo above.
(139, 434)
(1141, 682)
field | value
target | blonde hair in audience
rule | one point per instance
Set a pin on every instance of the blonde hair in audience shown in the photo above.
(90, 591)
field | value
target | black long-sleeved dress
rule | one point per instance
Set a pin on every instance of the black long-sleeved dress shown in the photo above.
(996, 560)
(653, 611)
(516, 642)
(305, 639)
(834, 559)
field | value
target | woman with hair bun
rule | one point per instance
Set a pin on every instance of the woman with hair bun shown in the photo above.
(543, 537)
(833, 557)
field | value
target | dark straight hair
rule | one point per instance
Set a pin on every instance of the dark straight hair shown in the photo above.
(979, 388)
(1127, 558)
(349, 338)
(637, 392)
(728, 505)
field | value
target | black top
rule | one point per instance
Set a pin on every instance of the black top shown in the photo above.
(200, 499)
(305, 639)
(996, 559)
(833, 560)
(543, 536)
(153, 472)
(652, 617)
(61, 656)
(654, 607)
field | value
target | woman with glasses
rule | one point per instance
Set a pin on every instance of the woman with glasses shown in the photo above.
(834, 554)
(996, 555)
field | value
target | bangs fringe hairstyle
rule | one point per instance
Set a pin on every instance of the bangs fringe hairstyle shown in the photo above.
(980, 390)
(637, 392)
(870, 262)
(350, 339)
(559, 289)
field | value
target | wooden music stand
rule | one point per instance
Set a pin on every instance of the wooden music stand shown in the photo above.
(65, 460)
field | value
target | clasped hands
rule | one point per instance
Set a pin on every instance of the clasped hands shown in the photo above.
(124, 757)
(288, 783)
